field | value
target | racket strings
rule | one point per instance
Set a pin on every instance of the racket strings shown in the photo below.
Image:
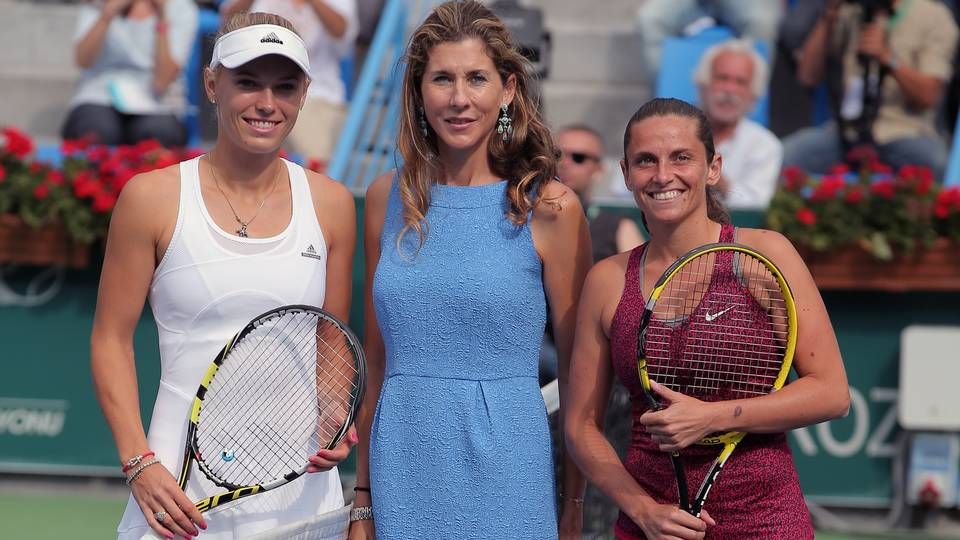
(236, 400)
(303, 356)
(274, 369)
(719, 328)
(314, 397)
(294, 440)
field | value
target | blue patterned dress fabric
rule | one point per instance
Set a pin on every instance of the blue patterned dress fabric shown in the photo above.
(460, 446)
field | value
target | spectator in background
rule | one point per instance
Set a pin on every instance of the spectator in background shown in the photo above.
(660, 19)
(131, 53)
(915, 47)
(580, 167)
(731, 77)
(328, 29)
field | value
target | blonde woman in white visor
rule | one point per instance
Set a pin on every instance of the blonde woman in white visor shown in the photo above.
(213, 242)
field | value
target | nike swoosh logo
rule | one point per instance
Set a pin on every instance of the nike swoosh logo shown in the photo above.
(709, 317)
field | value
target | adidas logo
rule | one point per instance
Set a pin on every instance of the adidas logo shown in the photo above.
(271, 38)
(311, 252)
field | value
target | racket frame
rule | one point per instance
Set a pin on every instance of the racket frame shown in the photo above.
(729, 440)
(191, 452)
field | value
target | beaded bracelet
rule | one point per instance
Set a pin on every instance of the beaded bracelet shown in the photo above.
(135, 460)
(361, 488)
(139, 470)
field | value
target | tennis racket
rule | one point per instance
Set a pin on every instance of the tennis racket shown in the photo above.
(720, 324)
(284, 387)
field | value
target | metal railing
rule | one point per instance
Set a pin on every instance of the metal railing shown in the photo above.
(367, 142)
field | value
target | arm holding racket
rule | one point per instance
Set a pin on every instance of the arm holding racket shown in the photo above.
(140, 229)
(562, 239)
(337, 215)
(374, 213)
(591, 375)
(820, 393)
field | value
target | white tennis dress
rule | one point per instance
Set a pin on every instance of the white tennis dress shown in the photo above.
(208, 285)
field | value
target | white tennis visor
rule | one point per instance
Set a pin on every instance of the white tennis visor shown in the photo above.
(236, 48)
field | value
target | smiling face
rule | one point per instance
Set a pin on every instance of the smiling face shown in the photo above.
(462, 93)
(666, 168)
(258, 102)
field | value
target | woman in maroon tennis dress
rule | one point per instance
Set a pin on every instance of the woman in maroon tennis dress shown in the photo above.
(671, 168)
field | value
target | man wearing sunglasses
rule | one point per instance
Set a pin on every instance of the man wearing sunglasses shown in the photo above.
(580, 167)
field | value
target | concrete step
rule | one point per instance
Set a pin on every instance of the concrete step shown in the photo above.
(38, 104)
(586, 13)
(37, 73)
(584, 54)
(604, 107)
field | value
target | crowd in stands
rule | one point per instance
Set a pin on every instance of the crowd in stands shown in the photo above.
(887, 67)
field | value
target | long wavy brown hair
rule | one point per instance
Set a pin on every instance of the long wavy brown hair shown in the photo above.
(527, 160)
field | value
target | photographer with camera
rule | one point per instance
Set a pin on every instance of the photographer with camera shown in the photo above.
(886, 63)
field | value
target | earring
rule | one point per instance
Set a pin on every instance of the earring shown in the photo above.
(504, 124)
(421, 117)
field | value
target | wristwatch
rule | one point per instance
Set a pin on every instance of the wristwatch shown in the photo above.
(361, 513)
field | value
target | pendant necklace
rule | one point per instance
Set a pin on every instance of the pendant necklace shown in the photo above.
(242, 231)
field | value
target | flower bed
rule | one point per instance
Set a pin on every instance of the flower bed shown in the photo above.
(872, 227)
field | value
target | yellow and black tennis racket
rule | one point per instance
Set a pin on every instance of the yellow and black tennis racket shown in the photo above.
(720, 324)
(287, 385)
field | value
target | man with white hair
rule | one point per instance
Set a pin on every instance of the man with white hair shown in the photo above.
(731, 76)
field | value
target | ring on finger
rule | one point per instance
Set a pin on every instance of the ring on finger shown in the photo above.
(160, 516)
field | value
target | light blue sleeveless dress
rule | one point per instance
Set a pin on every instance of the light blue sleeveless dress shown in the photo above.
(460, 446)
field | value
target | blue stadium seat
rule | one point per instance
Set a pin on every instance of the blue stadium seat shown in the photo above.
(953, 164)
(680, 58)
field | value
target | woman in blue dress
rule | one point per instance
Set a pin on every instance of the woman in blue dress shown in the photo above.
(466, 246)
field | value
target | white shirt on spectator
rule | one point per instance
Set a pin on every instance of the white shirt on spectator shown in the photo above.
(752, 158)
(324, 50)
(123, 70)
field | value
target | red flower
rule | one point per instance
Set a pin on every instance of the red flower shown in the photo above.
(97, 153)
(86, 188)
(41, 191)
(73, 146)
(148, 145)
(17, 142)
(828, 188)
(55, 177)
(880, 168)
(806, 216)
(103, 202)
(839, 169)
(794, 178)
(885, 189)
(317, 165)
(854, 195)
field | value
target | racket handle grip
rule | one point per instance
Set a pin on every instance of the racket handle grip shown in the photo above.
(683, 494)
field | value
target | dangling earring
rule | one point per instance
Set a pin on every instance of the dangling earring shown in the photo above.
(504, 124)
(423, 122)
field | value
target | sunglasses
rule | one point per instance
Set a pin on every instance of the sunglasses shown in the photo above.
(580, 157)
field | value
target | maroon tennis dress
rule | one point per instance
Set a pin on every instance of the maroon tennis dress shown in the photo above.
(758, 493)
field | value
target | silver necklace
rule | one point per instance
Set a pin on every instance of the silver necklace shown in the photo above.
(242, 231)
